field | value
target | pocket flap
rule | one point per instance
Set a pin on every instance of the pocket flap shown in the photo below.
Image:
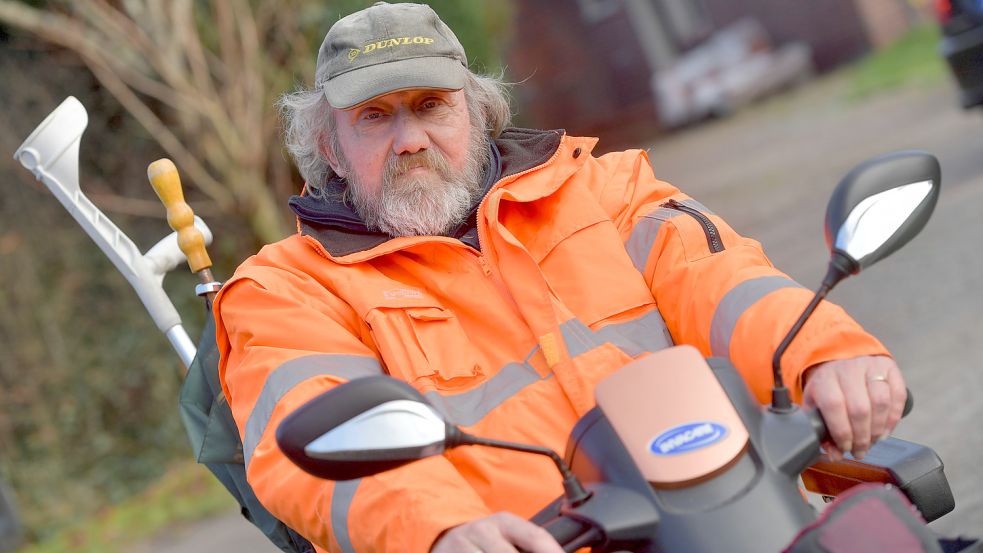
(428, 314)
(425, 342)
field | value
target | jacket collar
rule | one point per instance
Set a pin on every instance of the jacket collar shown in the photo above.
(335, 225)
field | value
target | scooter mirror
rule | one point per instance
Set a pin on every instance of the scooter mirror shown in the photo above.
(880, 205)
(360, 428)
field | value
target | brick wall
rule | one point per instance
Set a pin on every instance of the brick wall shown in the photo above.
(588, 78)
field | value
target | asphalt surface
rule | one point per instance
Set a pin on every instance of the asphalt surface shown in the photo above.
(769, 171)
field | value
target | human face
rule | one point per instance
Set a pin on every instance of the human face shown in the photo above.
(398, 124)
(429, 177)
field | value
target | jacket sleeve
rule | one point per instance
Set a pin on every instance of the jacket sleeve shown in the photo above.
(716, 289)
(284, 340)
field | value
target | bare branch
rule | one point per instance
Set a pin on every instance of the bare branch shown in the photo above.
(182, 157)
(228, 50)
(252, 92)
(187, 33)
(114, 203)
(145, 52)
(123, 30)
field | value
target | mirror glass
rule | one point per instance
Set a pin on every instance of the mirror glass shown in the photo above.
(394, 425)
(875, 220)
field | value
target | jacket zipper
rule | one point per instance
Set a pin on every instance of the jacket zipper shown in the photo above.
(481, 204)
(713, 235)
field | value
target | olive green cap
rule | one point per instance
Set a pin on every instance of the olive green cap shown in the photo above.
(386, 48)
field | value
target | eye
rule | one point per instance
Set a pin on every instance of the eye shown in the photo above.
(430, 103)
(370, 114)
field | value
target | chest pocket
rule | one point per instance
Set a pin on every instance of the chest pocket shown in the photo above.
(424, 345)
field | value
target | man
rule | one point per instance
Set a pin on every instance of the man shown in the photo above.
(503, 273)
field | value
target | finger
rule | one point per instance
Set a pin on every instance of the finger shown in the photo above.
(527, 535)
(827, 396)
(832, 451)
(879, 394)
(456, 541)
(489, 543)
(489, 537)
(858, 408)
(899, 395)
(482, 535)
(493, 544)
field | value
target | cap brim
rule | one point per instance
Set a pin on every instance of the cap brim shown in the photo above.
(361, 85)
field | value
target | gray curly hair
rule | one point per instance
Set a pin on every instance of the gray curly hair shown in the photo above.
(308, 124)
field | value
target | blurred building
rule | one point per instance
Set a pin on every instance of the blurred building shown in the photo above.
(627, 69)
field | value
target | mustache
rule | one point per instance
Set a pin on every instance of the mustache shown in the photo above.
(397, 165)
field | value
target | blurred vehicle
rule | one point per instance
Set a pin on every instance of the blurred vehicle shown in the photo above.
(962, 45)
(734, 67)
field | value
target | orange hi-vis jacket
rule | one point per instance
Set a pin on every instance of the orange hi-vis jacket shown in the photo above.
(582, 264)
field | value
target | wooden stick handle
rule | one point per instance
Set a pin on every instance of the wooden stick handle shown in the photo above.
(164, 178)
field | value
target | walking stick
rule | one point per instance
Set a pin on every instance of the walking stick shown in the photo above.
(51, 152)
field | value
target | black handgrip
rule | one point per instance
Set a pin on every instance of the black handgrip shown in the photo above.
(820, 425)
(909, 402)
(569, 533)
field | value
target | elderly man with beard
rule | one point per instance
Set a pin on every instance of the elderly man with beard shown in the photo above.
(502, 272)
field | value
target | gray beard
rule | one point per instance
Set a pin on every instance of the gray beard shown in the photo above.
(421, 205)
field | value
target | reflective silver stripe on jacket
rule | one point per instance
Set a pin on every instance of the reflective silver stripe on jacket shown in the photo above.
(735, 302)
(579, 338)
(341, 504)
(642, 238)
(288, 375)
(647, 333)
(468, 408)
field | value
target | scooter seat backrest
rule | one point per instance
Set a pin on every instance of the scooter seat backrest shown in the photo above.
(216, 443)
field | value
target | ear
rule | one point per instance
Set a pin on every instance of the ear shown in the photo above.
(329, 155)
(325, 147)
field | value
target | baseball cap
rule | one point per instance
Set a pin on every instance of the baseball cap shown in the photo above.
(385, 48)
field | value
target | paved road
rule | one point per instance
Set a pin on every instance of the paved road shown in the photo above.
(769, 171)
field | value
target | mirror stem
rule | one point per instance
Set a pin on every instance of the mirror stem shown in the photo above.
(573, 490)
(840, 266)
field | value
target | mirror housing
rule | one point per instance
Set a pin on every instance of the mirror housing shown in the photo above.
(377, 423)
(362, 427)
(880, 205)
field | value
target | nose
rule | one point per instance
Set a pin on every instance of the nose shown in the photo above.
(410, 135)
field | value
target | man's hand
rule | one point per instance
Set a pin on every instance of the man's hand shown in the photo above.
(861, 400)
(498, 533)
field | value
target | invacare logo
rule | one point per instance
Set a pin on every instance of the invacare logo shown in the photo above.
(688, 437)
